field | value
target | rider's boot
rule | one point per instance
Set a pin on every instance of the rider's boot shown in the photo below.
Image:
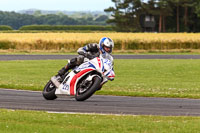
(72, 63)
(60, 76)
(65, 69)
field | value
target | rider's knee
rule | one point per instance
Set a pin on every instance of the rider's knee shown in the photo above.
(80, 60)
(73, 61)
(77, 60)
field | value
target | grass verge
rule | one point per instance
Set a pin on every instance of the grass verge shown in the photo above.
(149, 78)
(35, 121)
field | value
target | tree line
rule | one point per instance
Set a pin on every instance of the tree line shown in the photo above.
(127, 16)
(170, 15)
(17, 20)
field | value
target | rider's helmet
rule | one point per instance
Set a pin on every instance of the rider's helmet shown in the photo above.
(106, 45)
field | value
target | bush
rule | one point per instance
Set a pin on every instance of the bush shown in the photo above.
(67, 27)
(5, 27)
(7, 45)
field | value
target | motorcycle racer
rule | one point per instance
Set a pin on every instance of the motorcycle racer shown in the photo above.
(90, 51)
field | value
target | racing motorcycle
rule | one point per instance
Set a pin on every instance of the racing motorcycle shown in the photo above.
(83, 81)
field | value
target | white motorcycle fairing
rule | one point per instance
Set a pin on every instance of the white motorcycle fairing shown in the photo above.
(101, 65)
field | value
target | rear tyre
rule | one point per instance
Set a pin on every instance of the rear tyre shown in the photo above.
(49, 91)
(83, 95)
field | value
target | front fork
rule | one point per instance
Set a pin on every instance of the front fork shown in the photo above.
(55, 81)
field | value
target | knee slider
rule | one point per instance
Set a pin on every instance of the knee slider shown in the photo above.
(73, 61)
(80, 60)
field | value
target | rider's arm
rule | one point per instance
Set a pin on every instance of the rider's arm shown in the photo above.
(111, 75)
(82, 51)
(89, 50)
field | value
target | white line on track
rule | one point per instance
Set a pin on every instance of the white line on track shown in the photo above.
(79, 113)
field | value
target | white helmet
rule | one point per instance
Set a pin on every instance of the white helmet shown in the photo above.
(106, 45)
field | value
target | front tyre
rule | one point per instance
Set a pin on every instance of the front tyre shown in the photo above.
(49, 91)
(82, 95)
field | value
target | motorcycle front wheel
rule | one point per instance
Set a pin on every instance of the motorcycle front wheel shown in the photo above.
(49, 91)
(82, 94)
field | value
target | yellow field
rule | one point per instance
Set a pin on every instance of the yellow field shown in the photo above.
(146, 37)
(123, 41)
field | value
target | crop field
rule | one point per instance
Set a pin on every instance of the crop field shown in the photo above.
(123, 41)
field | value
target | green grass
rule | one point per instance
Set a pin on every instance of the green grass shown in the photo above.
(149, 78)
(41, 122)
(159, 78)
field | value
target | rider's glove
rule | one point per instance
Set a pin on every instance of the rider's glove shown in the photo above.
(90, 56)
(111, 79)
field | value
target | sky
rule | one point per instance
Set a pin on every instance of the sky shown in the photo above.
(67, 5)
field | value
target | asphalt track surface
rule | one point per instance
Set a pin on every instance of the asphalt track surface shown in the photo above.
(45, 57)
(28, 100)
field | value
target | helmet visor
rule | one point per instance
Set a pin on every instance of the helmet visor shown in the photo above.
(107, 49)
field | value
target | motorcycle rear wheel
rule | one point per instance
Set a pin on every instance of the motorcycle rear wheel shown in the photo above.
(83, 96)
(49, 91)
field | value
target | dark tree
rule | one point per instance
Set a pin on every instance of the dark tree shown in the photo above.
(126, 15)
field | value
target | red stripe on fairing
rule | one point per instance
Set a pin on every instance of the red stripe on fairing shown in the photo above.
(74, 79)
(99, 61)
